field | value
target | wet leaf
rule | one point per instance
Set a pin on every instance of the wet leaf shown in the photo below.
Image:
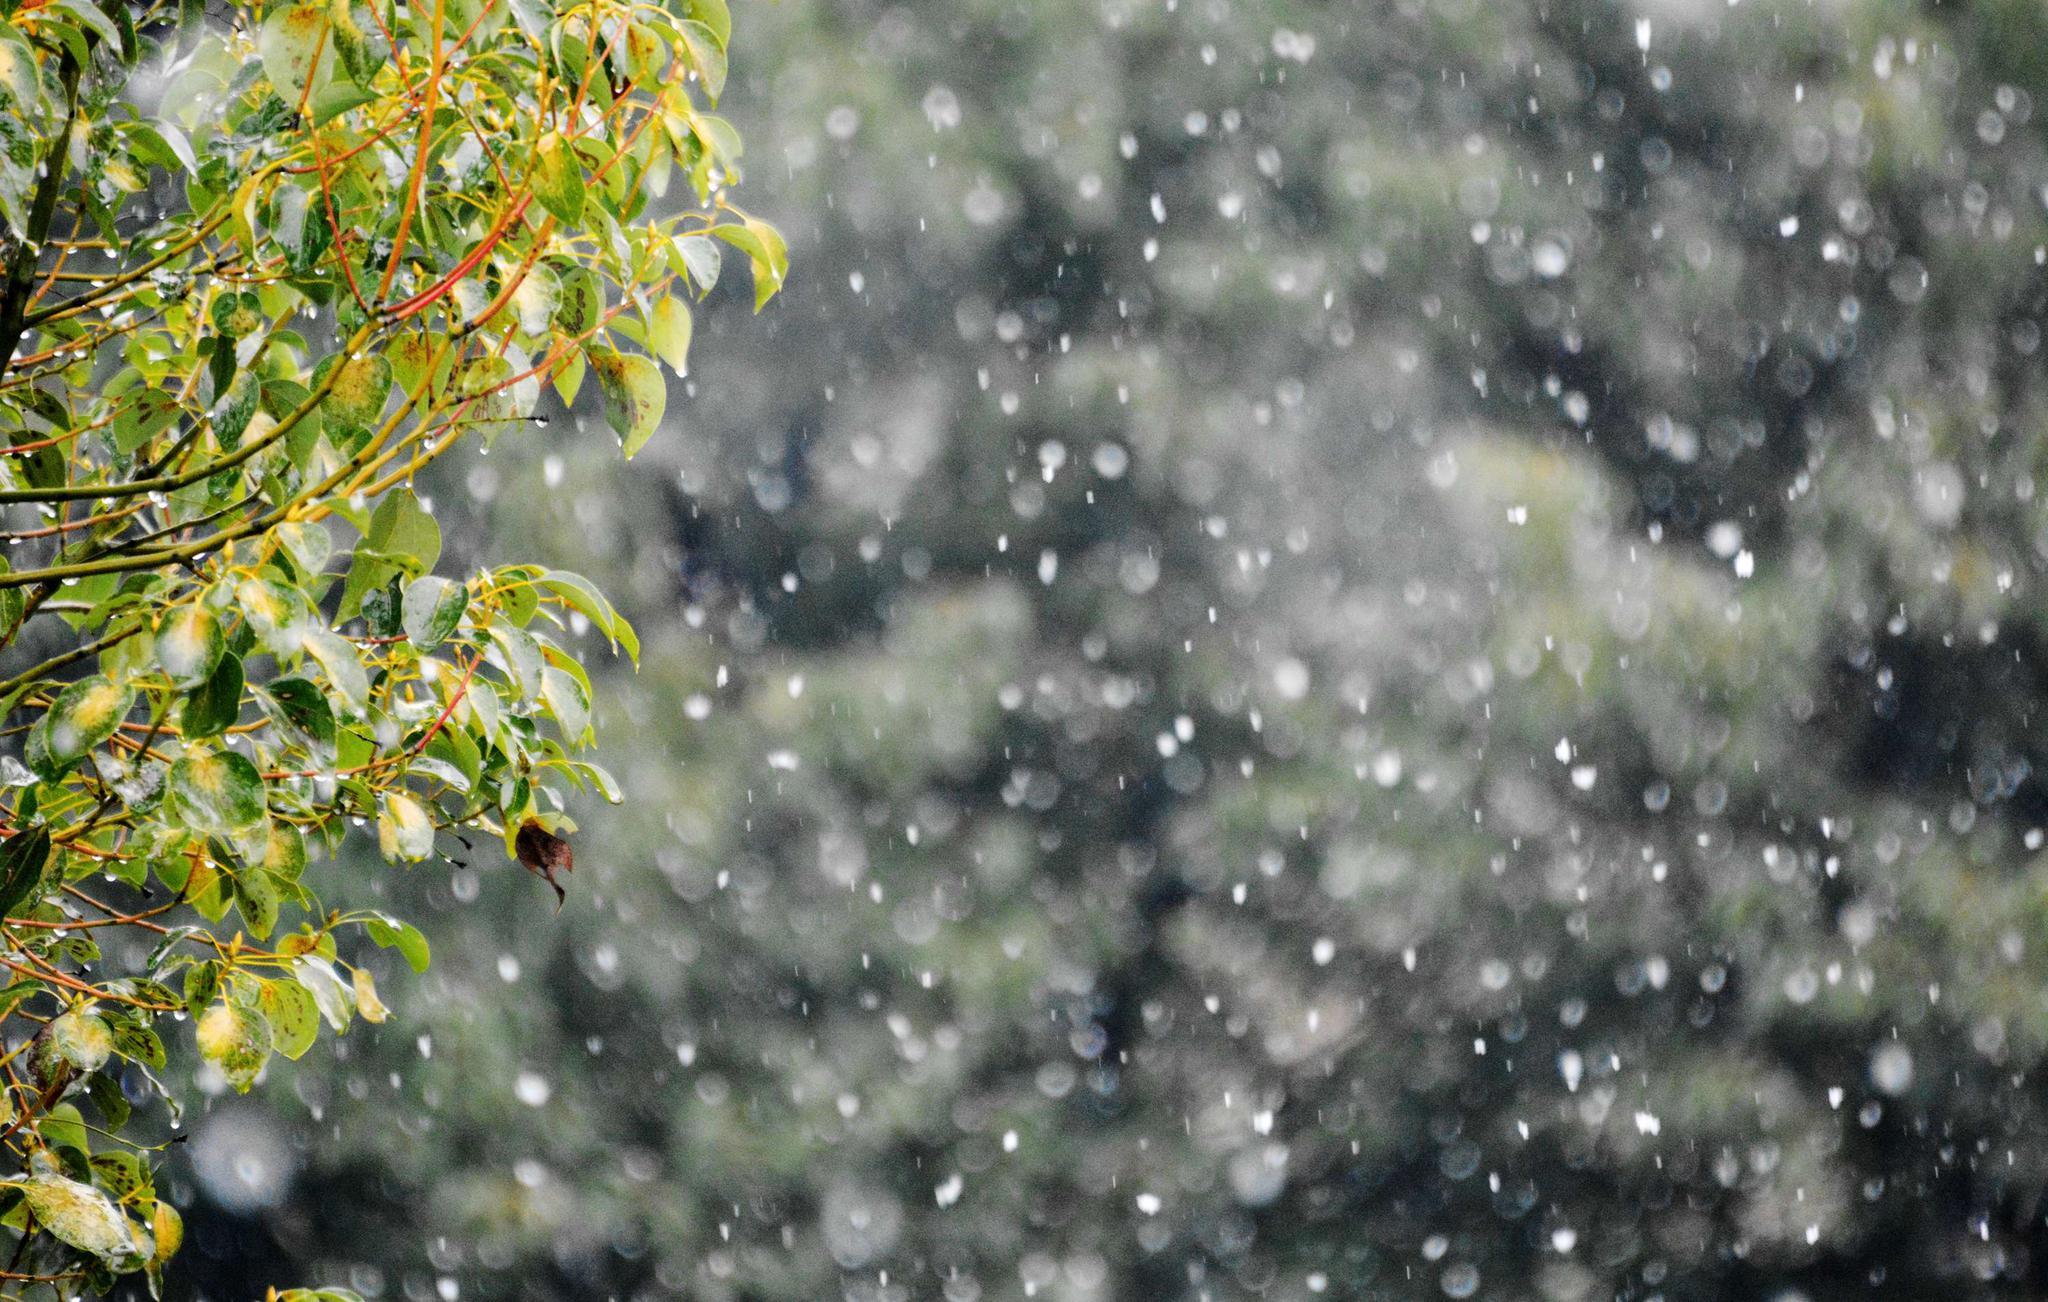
(297, 54)
(558, 179)
(544, 855)
(235, 1039)
(79, 1215)
(84, 715)
(635, 395)
(403, 829)
(218, 793)
(293, 1016)
(22, 860)
(432, 610)
(668, 332)
(82, 1039)
(189, 643)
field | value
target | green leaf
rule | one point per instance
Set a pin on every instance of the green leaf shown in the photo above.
(583, 597)
(715, 18)
(764, 247)
(400, 528)
(202, 982)
(517, 655)
(301, 227)
(582, 302)
(297, 55)
(105, 1093)
(403, 829)
(433, 608)
(235, 1039)
(558, 179)
(331, 995)
(302, 707)
(357, 40)
(258, 899)
(668, 332)
(293, 1016)
(567, 701)
(79, 1215)
(120, 1174)
(84, 714)
(634, 395)
(707, 56)
(189, 644)
(22, 860)
(213, 707)
(218, 794)
(150, 413)
(278, 615)
(343, 666)
(91, 17)
(389, 932)
(537, 299)
(140, 1043)
(568, 382)
(284, 854)
(700, 260)
(310, 545)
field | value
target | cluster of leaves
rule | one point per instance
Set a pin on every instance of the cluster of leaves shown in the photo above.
(260, 265)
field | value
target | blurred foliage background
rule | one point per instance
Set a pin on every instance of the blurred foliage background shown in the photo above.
(1372, 650)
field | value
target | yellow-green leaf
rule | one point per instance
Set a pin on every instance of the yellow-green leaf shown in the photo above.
(403, 829)
(79, 1215)
(236, 1040)
(219, 794)
(82, 1039)
(189, 644)
(634, 395)
(558, 179)
(293, 1016)
(296, 52)
(668, 332)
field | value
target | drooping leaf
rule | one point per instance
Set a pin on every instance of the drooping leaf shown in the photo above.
(668, 332)
(544, 855)
(389, 932)
(635, 395)
(258, 900)
(403, 829)
(334, 997)
(367, 1003)
(22, 860)
(558, 179)
(707, 56)
(538, 298)
(344, 668)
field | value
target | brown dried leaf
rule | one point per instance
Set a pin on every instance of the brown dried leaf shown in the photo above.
(544, 855)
